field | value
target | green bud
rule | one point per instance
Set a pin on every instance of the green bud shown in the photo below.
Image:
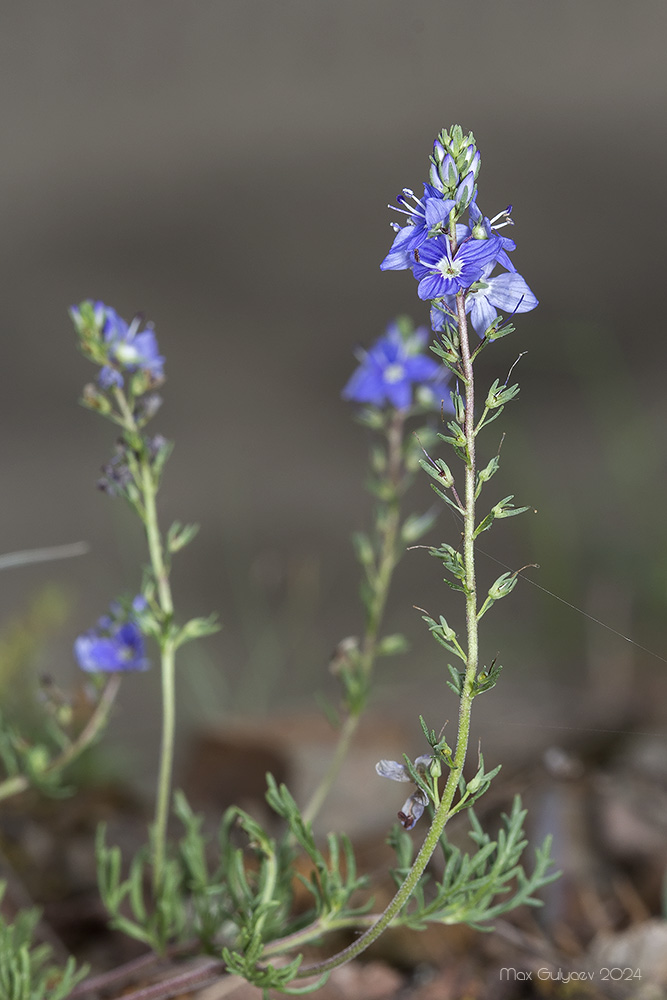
(458, 438)
(459, 406)
(37, 760)
(446, 630)
(197, 628)
(180, 535)
(507, 509)
(503, 586)
(93, 399)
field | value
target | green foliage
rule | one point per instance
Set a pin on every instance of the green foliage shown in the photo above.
(333, 879)
(27, 971)
(474, 889)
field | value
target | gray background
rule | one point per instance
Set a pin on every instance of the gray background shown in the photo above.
(224, 168)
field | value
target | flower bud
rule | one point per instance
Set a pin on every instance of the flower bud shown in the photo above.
(439, 151)
(435, 180)
(448, 171)
(465, 191)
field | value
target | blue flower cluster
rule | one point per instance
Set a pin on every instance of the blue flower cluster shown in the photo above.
(116, 643)
(448, 256)
(395, 368)
(124, 347)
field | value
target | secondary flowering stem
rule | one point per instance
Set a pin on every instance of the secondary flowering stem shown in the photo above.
(148, 510)
(387, 528)
(443, 810)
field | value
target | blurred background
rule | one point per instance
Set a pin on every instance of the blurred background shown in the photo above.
(224, 168)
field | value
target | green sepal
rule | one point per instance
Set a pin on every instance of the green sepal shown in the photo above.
(487, 679)
(502, 509)
(457, 681)
(439, 470)
(444, 634)
(159, 461)
(451, 559)
(499, 394)
(448, 353)
(486, 473)
(440, 746)
(503, 586)
(459, 406)
(457, 438)
(179, 535)
(470, 791)
(197, 628)
(93, 399)
(497, 330)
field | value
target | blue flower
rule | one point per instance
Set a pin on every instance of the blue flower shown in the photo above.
(508, 292)
(440, 273)
(391, 368)
(414, 805)
(424, 216)
(481, 227)
(115, 644)
(129, 349)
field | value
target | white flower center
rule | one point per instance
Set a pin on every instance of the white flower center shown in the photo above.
(394, 373)
(448, 268)
(126, 353)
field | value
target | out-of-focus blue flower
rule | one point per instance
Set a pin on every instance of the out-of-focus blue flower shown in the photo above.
(439, 272)
(392, 368)
(130, 349)
(115, 644)
(414, 806)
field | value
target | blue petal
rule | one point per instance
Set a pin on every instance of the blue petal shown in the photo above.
(482, 312)
(432, 287)
(392, 769)
(400, 256)
(399, 394)
(510, 293)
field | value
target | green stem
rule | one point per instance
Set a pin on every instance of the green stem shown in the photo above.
(167, 662)
(148, 511)
(387, 528)
(20, 782)
(443, 811)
